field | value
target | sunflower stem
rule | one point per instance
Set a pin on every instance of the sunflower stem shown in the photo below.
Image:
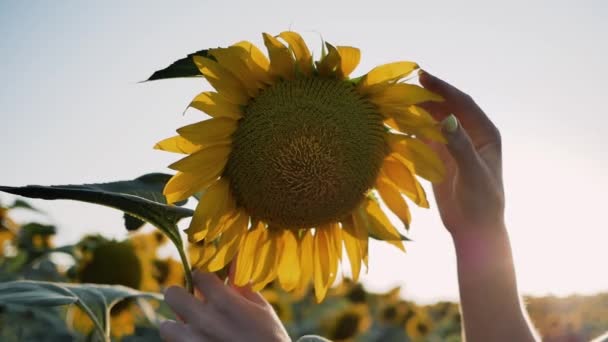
(187, 270)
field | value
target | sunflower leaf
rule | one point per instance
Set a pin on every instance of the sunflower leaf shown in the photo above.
(95, 300)
(184, 67)
(141, 198)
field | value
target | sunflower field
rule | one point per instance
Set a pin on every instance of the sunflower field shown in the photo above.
(101, 289)
(295, 168)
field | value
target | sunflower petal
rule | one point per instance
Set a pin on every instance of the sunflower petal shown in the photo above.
(204, 162)
(216, 105)
(267, 259)
(300, 51)
(426, 162)
(405, 120)
(321, 265)
(209, 131)
(379, 225)
(289, 266)
(404, 94)
(349, 59)
(282, 63)
(222, 80)
(213, 207)
(360, 230)
(204, 255)
(256, 61)
(401, 172)
(245, 259)
(353, 248)
(385, 73)
(306, 259)
(185, 184)
(331, 62)
(233, 59)
(336, 238)
(391, 196)
(229, 242)
(177, 144)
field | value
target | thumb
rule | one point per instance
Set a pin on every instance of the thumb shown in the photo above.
(462, 150)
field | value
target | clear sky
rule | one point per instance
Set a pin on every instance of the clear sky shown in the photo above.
(73, 112)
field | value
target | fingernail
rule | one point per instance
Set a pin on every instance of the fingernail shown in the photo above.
(450, 124)
(421, 72)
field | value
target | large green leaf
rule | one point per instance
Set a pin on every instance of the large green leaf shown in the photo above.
(139, 198)
(184, 67)
(95, 300)
(127, 196)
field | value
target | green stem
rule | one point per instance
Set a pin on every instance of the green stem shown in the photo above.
(187, 270)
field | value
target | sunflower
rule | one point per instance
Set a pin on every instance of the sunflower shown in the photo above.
(296, 157)
(348, 323)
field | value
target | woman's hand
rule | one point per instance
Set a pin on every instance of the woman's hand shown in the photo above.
(225, 313)
(471, 204)
(471, 197)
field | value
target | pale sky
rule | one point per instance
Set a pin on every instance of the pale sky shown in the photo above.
(73, 112)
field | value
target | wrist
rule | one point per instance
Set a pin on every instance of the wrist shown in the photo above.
(479, 239)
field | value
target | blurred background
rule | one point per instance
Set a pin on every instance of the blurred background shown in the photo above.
(74, 112)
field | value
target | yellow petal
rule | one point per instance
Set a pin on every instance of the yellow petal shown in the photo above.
(289, 265)
(330, 63)
(177, 144)
(256, 61)
(247, 253)
(281, 61)
(216, 105)
(360, 230)
(229, 242)
(401, 172)
(306, 255)
(336, 238)
(185, 184)
(403, 94)
(210, 131)
(349, 59)
(386, 73)
(234, 59)
(205, 253)
(379, 225)
(426, 162)
(300, 51)
(214, 205)
(321, 265)
(222, 80)
(267, 260)
(391, 196)
(204, 162)
(412, 121)
(353, 248)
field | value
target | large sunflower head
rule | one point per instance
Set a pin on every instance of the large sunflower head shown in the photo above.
(297, 157)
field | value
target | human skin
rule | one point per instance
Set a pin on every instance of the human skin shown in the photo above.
(471, 204)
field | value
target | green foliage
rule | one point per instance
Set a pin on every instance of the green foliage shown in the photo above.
(140, 198)
(184, 67)
(95, 300)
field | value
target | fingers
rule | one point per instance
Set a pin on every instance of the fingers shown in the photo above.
(172, 331)
(182, 303)
(470, 166)
(480, 128)
(215, 291)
